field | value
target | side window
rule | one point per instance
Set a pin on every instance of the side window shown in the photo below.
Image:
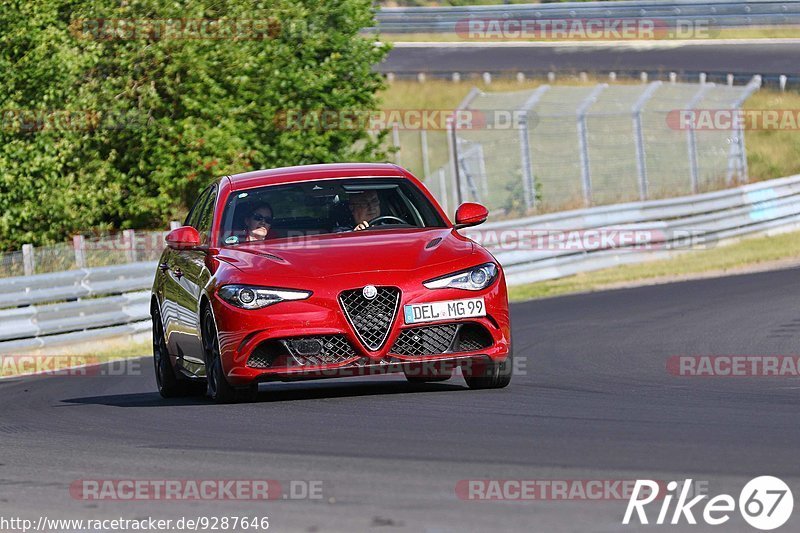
(207, 216)
(194, 215)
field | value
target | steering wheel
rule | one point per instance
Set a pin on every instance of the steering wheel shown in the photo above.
(386, 218)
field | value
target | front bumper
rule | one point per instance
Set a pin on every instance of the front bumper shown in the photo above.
(242, 332)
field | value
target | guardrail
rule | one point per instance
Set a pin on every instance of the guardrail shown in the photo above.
(716, 13)
(112, 301)
(61, 308)
(673, 225)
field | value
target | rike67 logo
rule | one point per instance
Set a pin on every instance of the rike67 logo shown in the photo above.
(766, 503)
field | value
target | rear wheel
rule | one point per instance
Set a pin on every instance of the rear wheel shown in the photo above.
(169, 386)
(490, 375)
(218, 388)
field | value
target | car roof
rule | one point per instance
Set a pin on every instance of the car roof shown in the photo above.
(259, 178)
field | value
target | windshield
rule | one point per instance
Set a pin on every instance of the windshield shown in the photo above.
(325, 206)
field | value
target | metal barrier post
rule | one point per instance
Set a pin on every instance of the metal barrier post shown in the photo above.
(738, 158)
(443, 189)
(691, 138)
(482, 175)
(423, 141)
(396, 143)
(641, 159)
(28, 262)
(452, 140)
(79, 244)
(583, 142)
(129, 236)
(528, 181)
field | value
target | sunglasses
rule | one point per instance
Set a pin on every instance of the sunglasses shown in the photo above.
(261, 218)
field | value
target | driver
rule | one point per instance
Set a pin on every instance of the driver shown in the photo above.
(364, 207)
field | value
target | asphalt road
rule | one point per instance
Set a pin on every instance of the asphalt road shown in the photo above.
(766, 58)
(591, 401)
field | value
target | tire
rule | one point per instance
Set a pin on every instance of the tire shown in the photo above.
(490, 375)
(218, 388)
(169, 386)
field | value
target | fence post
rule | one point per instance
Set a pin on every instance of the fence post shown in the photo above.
(691, 138)
(641, 159)
(452, 140)
(28, 262)
(452, 149)
(583, 142)
(737, 156)
(129, 236)
(423, 141)
(396, 143)
(528, 182)
(174, 224)
(443, 189)
(79, 244)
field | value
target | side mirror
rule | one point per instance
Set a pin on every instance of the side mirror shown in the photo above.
(470, 214)
(183, 238)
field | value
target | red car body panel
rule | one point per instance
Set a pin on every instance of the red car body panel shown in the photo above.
(326, 265)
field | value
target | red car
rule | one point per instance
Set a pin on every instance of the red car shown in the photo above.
(325, 271)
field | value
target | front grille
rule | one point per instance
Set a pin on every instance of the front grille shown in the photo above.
(371, 319)
(302, 351)
(442, 338)
(427, 340)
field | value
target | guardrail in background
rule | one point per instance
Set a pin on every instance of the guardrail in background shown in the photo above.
(62, 308)
(120, 302)
(717, 13)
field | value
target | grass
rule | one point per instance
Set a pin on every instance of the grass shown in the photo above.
(747, 253)
(772, 154)
(57, 360)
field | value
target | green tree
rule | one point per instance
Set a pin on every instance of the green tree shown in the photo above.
(104, 132)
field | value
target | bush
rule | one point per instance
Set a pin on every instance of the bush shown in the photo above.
(111, 133)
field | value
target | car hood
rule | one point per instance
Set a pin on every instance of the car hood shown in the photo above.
(347, 253)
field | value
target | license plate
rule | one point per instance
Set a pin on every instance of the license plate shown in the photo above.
(433, 311)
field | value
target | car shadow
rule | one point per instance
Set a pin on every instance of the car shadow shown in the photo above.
(278, 392)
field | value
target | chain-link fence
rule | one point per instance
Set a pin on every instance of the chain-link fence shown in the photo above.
(561, 147)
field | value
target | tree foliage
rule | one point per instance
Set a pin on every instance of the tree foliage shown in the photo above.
(104, 132)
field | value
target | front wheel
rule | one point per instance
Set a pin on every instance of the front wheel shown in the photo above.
(218, 388)
(490, 375)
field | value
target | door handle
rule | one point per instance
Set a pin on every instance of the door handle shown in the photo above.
(164, 267)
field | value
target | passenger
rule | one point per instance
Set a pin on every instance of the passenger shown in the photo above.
(258, 223)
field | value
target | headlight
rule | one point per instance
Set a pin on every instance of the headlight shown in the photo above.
(472, 279)
(248, 297)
